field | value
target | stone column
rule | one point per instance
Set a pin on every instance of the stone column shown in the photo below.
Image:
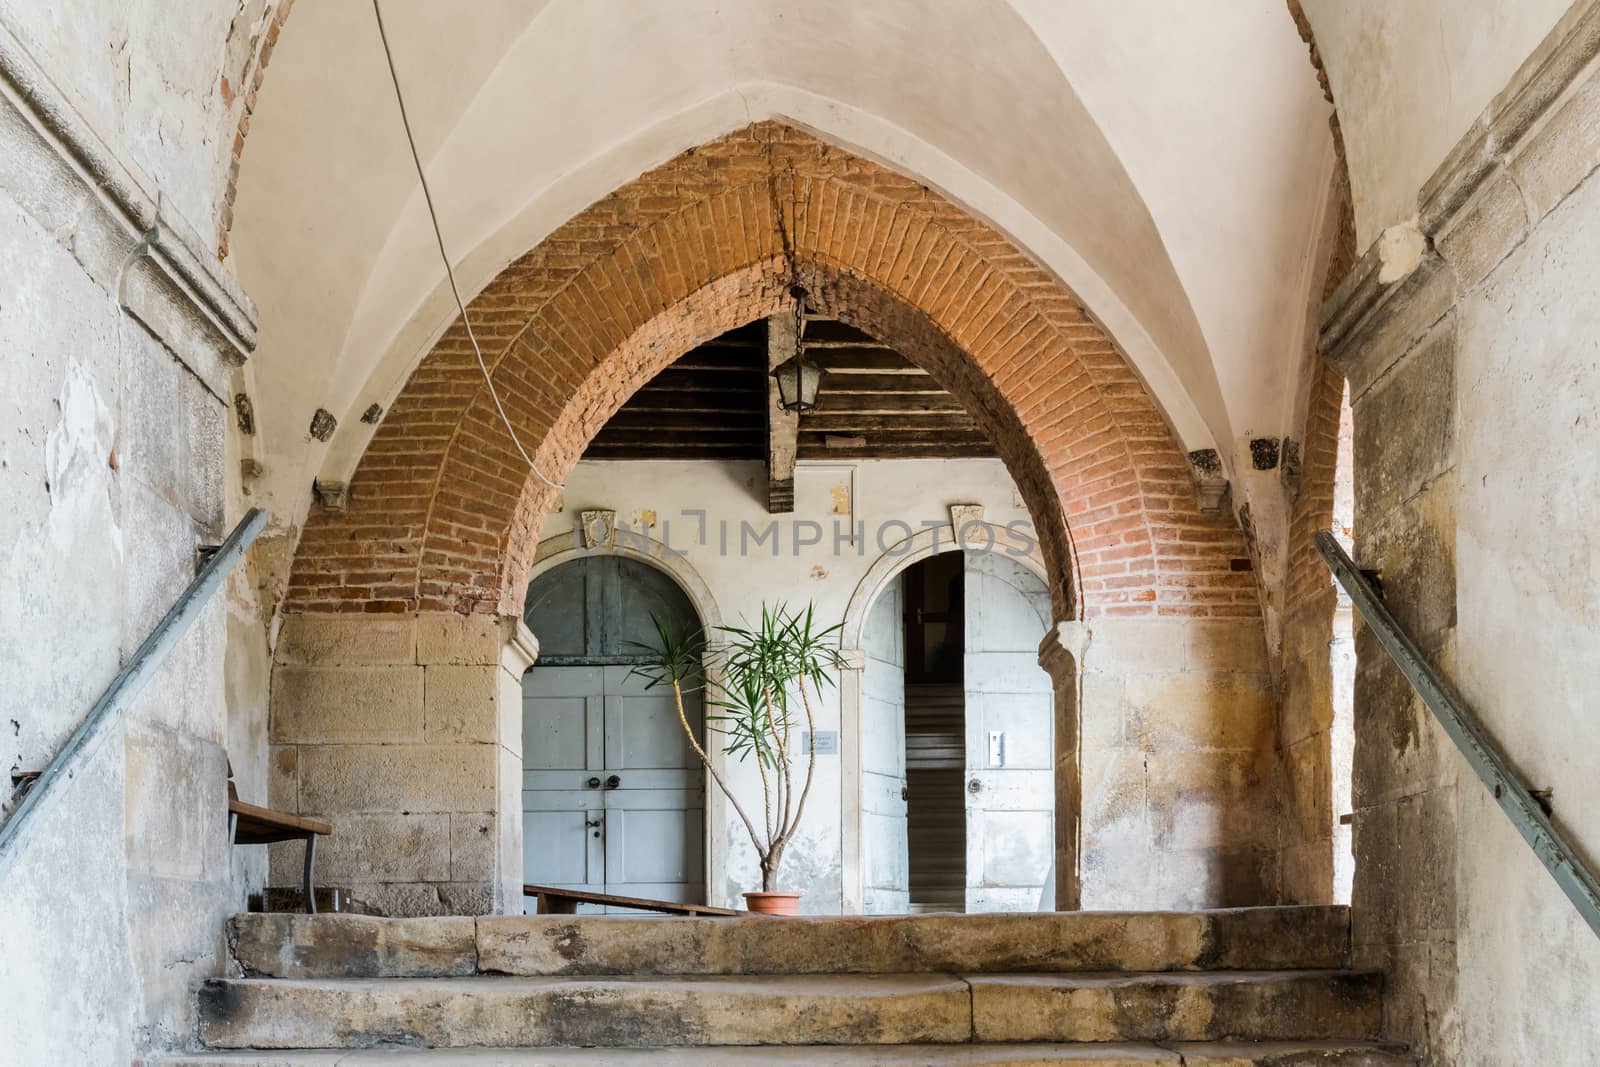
(405, 733)
(852, 869)
(1057, 658)
(783, 427)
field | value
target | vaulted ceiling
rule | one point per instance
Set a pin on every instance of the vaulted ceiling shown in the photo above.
(1170, 163)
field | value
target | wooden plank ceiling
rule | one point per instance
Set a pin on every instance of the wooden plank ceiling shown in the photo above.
(711, 404)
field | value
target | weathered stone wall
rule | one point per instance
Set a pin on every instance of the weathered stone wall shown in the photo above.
(1474, 384)
(1179, 774)
(1406, 773)
(112, 471)
(405, 733)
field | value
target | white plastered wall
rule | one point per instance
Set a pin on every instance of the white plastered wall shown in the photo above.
(740, 570)
(1188, 700)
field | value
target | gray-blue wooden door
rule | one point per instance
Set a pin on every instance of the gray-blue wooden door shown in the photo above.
(1010, 722)
(644, 836)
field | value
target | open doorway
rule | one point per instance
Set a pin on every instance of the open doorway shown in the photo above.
(958, 794)
(933, 623)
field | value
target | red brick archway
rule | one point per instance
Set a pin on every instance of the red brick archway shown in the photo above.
(442, 513)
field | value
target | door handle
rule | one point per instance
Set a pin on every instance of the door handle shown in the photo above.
(975, 787)
(613, 782)
(593, 824)
(593, 783)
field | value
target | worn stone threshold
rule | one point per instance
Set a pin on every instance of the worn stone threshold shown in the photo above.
(1187, 1054)
(803, 1009)
(334, 946)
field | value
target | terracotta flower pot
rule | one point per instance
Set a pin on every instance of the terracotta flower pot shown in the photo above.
(772, 903)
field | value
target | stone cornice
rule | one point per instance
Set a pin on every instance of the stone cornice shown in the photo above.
(1369, 320)
(1469, 218)
(1533, 91)
(68, 177)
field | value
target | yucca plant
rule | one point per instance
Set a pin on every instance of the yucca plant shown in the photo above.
(766, 669)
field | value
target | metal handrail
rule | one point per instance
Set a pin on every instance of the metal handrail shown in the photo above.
(134, 674)
(1519, 803)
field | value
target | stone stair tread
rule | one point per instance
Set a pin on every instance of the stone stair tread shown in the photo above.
(724, 1010)
(838, 985)
(1186, 1054)
(1100, 979)
(1181, 1006)
(299, 946)
(811, 984)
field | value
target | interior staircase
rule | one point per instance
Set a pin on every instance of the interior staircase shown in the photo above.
(1234, 988)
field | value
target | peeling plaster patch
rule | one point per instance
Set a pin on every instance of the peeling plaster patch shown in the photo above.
(65, 527)
(840, 496)
(1264, 453)
(372, 414)
(75, 450)
(323, 424)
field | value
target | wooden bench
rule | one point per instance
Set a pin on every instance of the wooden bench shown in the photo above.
(551, 900)
(250, 824)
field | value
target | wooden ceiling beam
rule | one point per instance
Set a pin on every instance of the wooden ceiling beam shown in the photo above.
(886, 402)
(852, 360)
(783, 427)
(747, 420)
(916, 382)
(695, 450)
(874, 422)
(927, 450)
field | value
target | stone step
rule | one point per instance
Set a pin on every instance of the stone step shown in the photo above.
(354, 946)
(513, 1012)
(1270, 1054)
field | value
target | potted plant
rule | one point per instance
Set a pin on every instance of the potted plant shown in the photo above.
(772, 674)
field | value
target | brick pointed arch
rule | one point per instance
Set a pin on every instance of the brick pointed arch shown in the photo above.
(443, 515)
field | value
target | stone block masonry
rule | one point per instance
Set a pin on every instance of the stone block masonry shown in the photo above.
(113, 472)
(1176, 738)
(405, 732)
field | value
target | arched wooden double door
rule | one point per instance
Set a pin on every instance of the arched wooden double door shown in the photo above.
(613, 797)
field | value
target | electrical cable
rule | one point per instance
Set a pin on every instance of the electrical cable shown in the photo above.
(438, 236)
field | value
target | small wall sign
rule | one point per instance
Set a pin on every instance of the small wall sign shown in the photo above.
(827, 743)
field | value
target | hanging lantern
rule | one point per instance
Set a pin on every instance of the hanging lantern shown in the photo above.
(798, 382)
(798, 378)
